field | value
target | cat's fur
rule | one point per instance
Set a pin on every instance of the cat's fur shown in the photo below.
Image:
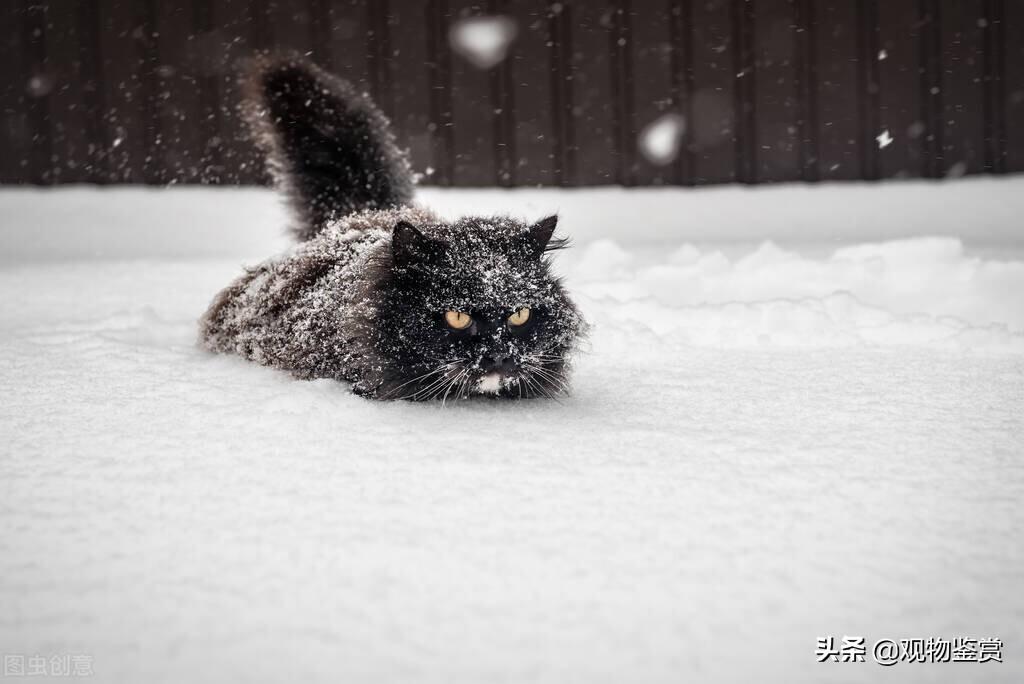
(362, 298)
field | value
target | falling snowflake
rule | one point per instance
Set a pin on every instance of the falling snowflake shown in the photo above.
(882, 55)
(40, 85)
(957, 170)
(884, 139)
(483, 41)
(660, 140)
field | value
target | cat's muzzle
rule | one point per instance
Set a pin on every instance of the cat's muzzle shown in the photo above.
(498, 373)
(491, 383)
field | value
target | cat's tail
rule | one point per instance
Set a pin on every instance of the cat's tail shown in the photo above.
(327, 145)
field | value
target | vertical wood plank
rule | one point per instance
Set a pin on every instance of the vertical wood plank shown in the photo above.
(411, 98)
(178, 101)
(621, 48)
(775, 92)
(994, 85)
(90, 55)
(180, 104)
(122, 94)
(473, 111)
(899, 94)
(503, 99)
(321, 26)
(230, 24)
(275, 27)
(652, 75)
(290, 26)
(963, 88)
(68, 116)
(378, 53)
(806, 85)
(594, 116)
(341, 32)
(713, 120)
(15, 134)
(1013, 106)
(839, 128)
(203, 42)
(745, 91)
(533, 76)
(38, 88)
(868, 99)
(258, 25)
(146, 33)
(930, 68)
(681, 40)
(563, 105)
(92, 104)
(439, 70)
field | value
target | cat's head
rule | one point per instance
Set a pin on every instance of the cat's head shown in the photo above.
(471, 307)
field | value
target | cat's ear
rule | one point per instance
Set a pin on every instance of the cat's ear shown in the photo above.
(540, 236)
(409, 244)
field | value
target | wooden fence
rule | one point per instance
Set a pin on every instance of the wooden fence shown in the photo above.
(143, 91)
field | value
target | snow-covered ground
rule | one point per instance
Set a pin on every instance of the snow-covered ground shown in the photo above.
(800, 413)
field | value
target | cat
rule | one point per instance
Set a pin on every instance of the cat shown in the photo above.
(380, 292)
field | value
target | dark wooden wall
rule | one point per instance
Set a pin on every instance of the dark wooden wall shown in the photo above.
(143, 91)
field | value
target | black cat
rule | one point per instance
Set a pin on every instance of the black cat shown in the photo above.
(380, 292)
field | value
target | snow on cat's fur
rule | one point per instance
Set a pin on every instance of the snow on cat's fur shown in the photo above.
(370, 293)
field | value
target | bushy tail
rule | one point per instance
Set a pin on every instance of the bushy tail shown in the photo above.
(328, 146)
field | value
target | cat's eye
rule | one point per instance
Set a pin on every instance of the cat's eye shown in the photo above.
(519, 318)
(457, 320)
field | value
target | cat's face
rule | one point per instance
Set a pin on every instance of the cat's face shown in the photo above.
(471, 308)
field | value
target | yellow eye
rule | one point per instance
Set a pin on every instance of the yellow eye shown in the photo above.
(519, 318)
(457, 320)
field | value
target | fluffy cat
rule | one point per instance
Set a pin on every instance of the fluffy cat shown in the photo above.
(379, 292)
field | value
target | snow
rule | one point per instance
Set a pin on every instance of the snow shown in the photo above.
(484, 41)
(40, 85)
(660, 140)
(799, 413)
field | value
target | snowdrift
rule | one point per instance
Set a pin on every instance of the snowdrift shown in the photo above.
(800, 412)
